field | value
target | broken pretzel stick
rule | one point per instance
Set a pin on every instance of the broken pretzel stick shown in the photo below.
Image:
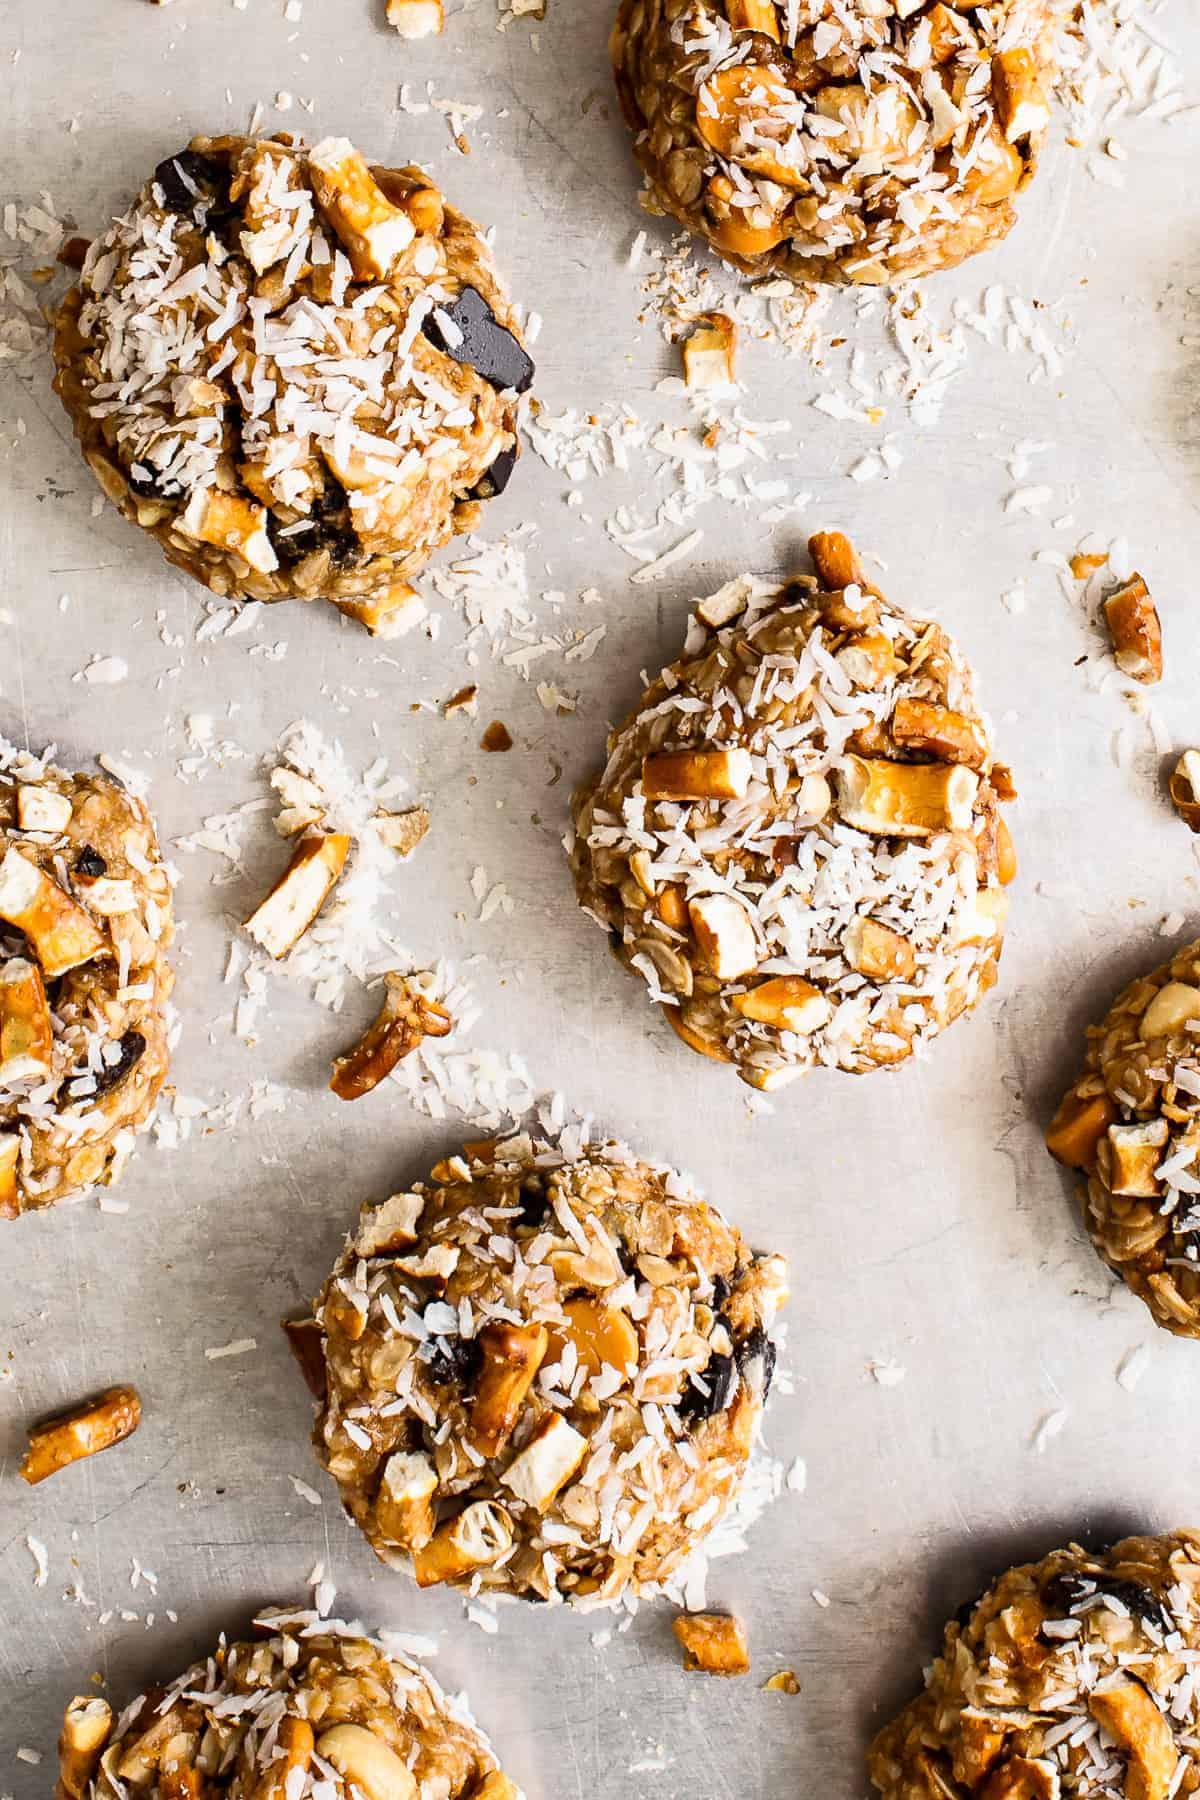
(83, 1431)
(406, 1017)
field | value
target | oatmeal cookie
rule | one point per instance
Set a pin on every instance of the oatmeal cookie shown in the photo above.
(308, 1707)
(1131, 1123)
(836, 140)
(543, 1374)
(795, 841)
(300, 374)
(85, 922)
(1071, 1676)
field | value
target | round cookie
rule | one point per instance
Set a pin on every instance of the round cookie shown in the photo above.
(85, 922)
(1071, 1676)
(795, 841)
(543, 1375)
(298, 373)
(309, 1707)
(1131, 1123)
(847, 142)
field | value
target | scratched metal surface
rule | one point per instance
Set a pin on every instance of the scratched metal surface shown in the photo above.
(923, 1219)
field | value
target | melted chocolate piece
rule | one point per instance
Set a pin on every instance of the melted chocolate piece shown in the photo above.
(496, 476)
(484, 344)
(1065, 1591)
(207, 179)
(89, 862)
(533, 1201)
(133, 1046)
(756, 1356)
(720, 1375)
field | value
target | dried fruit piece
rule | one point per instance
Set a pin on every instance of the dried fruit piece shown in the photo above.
(373, 232)
(86, 1724)
(281, 920)
(512, 1356)
(697, 774)
(1184, 788)
(83, 1431)
(603, 1336)
(478, 1537)
(708, 353)
(26, 1032)
(713, 1643)
(295, 1739)
(754, 15)
(1135, 630)
(1077, 1127)
(405, 1019)
(470, 332)
(497, 737)
(416, 18)
(553, 1454)
(60, 933)
(739, 107)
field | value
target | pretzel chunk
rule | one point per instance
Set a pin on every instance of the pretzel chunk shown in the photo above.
(708, 354)
(546, 1464)
(1141, 1731)
(697, 775)
(298, 896)
(42, 809)
(713, 1643)
(10, 1150)
(26, 1033)
(85, 1728)
(939, 731)
(404, 1503)
(405, 1019)
(905, 799)
(295, 1739)
(1136, 633)
(373, 232)
(416, 18)
(478, 1537)
(230, 523)
(60, 933)
(786, 1001)
(512, 1356)
(83, 1431)
(1184, 788)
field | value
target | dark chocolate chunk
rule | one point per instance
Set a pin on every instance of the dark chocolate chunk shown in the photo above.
(483, 344)
(328, 528)
(133, 1046)
(89, 862)
(189, 180)
(1066, 1591)
(453, 1361)
(756, 1360)
(720, 1377)
(496, 476)
(534, 1204)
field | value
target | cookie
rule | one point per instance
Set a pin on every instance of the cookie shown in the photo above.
(795, 842)
(85, 923)
(1073, 1676)
(1131, 1124)
(298, 373)
(309, 1707)
(543, 1375)
(851, 143)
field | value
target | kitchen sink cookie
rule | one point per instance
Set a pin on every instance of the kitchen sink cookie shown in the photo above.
(85, 921)
(1073, 1676)
(543, 1374)
(795, 841)
(300, 374)
(1131, 1123)
(846, 142)
(308, 1707)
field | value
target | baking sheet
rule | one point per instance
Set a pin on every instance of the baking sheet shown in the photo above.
(924, 1222)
